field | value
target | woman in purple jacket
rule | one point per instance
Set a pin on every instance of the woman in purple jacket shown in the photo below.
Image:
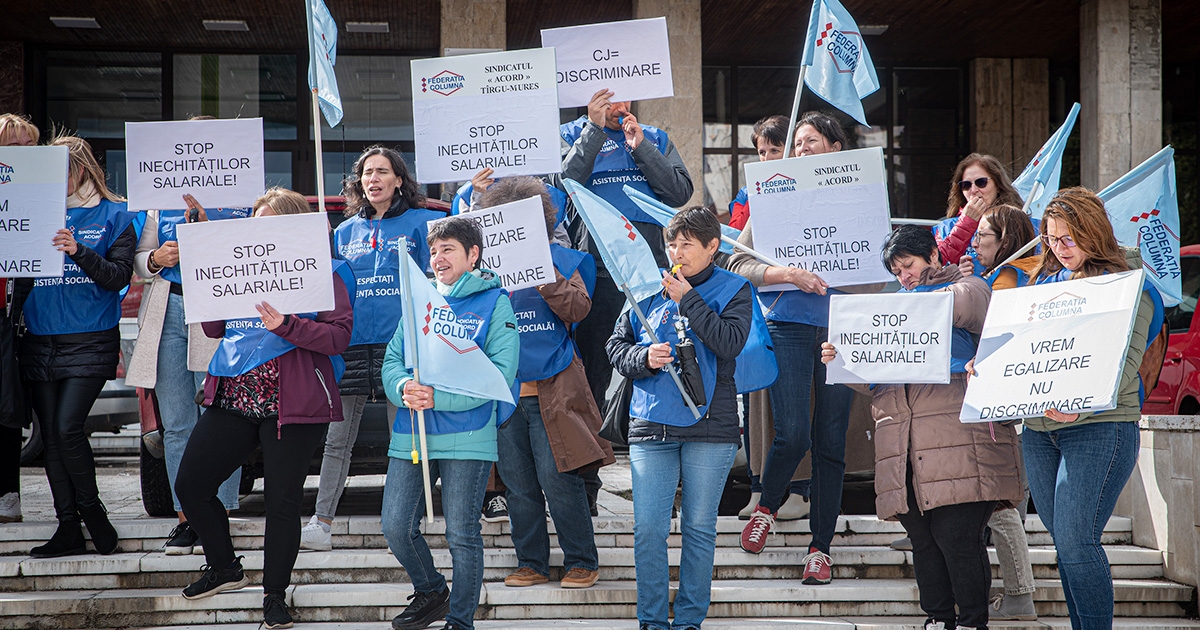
(270, 383)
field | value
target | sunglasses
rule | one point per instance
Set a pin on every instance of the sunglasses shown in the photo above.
(965, 184)
(1051, 241)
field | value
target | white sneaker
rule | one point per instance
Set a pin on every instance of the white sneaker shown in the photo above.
(10, 508)
(314, 537)
(744, 514)
(935, 625)
(795, 508)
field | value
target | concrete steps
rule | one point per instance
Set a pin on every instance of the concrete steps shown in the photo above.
(360, 582)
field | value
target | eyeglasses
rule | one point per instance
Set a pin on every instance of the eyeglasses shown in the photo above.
(980, 234)
(1051, 241)
(965, 184)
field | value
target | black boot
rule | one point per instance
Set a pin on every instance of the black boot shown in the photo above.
(66, 541)
(104, 535)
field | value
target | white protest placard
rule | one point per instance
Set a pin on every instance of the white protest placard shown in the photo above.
(891, 338)
(515, 244)
(230, 266)
(495, 110)
(33, 206)
(1053, 346)
(631, 58)
(218, 161)
(826, 213)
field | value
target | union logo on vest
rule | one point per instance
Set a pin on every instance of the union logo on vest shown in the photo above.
(455, 331)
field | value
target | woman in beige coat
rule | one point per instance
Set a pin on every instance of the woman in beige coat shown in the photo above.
(940, 477)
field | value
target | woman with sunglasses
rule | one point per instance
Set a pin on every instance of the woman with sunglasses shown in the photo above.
(979, 182)
(1078, 462)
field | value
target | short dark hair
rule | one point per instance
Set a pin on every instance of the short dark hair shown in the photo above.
(908, 240)
(773, 128)
(826, 125)
(512, 189)
(462, 229)
(695, 222)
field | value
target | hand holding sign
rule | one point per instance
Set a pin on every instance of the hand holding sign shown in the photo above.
(64, 241)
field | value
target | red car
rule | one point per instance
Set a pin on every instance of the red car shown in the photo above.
(1178, 390)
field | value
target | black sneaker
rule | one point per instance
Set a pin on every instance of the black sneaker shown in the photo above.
(425, 609)
(495, 509)
(275, 612)
(181, 541)
(216, 580)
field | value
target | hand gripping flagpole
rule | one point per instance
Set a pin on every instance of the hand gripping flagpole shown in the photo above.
(670, 367)
(412, 359)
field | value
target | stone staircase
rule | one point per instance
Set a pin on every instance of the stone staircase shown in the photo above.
(360, 582)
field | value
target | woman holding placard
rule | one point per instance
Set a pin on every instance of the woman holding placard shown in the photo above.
(383, 203)
(941, 478)
(807, 412)
(15, 131)
(710, 309)
(1078, 463)
(73, 344)
(978, 183)
(270, 384)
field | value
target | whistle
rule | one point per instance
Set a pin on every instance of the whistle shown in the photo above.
(415, 456)
(676, 268)
(620, 120)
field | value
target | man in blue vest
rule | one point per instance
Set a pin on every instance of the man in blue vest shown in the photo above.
(606, 150)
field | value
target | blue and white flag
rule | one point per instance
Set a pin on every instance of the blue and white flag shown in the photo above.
(322, 54)
(1045, 168)
(438, 347)
(662, 214)
(1144, 211)
(840, 68)
(625, 252)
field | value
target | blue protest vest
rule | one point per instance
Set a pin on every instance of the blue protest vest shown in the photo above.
(615, 168)
(962, 343)
(1022, 275)
(473, 314)
(168, 219)
(657, 398)
(546, 347)
(462, 201)
(756, 365)
(74, 303)
(798, 307)
(248, 344)
(371, 247)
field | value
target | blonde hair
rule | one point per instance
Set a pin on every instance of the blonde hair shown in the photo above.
(11, 126)
(283, 201)
(84, 165)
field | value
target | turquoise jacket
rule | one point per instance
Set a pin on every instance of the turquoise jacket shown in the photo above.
(502, 347)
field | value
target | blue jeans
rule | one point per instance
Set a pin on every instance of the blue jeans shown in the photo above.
(176, 388)
(463, 485)
(1075, 475)
(801, 378)
(656, 469)
(528, 469)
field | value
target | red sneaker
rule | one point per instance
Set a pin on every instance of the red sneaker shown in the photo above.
(754, 535)
(818, 567)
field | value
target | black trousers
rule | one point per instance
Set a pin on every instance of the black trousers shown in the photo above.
(10, 460)
(950, 559)
(220, 443)
(62, 408)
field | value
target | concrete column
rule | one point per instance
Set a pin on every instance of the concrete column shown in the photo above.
(682, 117)
(1145, 79)
(1009, 108)
(474, 24)
(12, 77)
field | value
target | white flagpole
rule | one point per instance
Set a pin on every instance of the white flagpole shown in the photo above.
(791, 132)
(670, 367)
(763, 257)
(1034, 191)
(424, 457)
(320, 157)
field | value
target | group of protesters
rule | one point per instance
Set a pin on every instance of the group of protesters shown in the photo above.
(310, 376)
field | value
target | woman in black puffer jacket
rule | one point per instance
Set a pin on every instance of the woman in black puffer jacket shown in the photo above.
(72, 345)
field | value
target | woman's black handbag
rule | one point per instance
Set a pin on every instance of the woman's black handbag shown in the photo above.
(13, 412)
(616, 415)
